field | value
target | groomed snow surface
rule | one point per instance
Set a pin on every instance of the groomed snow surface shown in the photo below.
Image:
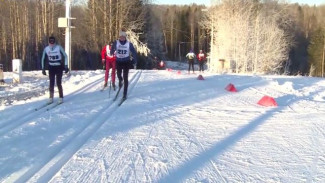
(172, 128)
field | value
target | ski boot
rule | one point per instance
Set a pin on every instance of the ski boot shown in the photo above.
(60, 101)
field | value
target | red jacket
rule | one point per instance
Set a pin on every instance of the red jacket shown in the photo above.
(106, 54)
(200, 57)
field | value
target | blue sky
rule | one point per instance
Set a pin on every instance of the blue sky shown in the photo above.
(207, 2)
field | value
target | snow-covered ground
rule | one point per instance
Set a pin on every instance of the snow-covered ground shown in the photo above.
(172, 128)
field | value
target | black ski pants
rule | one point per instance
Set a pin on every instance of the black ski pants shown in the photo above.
(56, 72)
(201, 64)
(123, 67)
(190, 64)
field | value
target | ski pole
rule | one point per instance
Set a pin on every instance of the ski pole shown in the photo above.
(110, 86)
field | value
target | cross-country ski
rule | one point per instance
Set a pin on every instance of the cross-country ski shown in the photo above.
(42, 106)
(117, 93)
(103, 88)
(121, 101)
(53, 106)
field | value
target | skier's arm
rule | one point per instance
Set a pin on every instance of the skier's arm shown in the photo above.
(134, 54)
(43, 58)
(103, 54)
(65, 55)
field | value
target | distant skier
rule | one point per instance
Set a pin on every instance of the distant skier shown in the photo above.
(124, 49)
(109, 61)
(156, 62)
(160, 65)
(190, 57)
(56, 63)
(201, 58)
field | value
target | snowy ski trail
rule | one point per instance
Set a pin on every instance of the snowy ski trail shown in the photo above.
(127, 150)
(43, 171)
(175, 128)
(29, 115)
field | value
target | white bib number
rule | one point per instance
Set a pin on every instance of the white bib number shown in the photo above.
(122, 51)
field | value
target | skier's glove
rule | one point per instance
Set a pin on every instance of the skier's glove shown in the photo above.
(66, 69)
(104, 67)
(43, 72)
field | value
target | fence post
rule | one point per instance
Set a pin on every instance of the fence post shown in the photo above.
(17, 70)
(2, 81)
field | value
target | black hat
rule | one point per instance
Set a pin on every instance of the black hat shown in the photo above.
(52, 39)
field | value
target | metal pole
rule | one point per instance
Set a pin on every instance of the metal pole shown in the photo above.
(179, 51)
(68, 33)
(323, 59)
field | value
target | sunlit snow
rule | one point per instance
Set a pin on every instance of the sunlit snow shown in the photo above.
(172, 128)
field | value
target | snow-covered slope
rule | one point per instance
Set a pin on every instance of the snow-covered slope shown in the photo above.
(172, 128)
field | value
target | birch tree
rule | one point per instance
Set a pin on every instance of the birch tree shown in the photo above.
(250, 34)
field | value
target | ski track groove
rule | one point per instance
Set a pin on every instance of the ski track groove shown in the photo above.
(176, 153)
(104, 177)
(212, 163)
(24, 118)
(105, 167)
(44, 171)
(195, 141)
(177, 138)
(150, 135)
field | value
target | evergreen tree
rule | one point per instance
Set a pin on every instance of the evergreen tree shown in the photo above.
(315, 51)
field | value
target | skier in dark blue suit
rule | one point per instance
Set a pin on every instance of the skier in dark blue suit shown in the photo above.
(124, 49)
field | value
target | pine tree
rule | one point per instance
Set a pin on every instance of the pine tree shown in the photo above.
(315, 51)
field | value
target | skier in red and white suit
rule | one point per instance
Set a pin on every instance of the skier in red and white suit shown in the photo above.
(109, 61)
(201, 58)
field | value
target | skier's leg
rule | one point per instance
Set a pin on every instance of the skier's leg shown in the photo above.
(108, 67)
(106, 72)
(113, 72)
(119, 73)
(125, 79)
(189, 66)
(59, 73)
(113, 64)
(52, 79)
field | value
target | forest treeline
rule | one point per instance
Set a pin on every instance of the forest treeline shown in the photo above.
(256, 36)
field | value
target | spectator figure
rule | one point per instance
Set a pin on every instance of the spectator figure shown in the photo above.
(190, 58)
(201, 58)
(156, 62)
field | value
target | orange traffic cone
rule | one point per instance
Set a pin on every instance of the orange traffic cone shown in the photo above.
(200, 77)
(267, 101)
(230, 87)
